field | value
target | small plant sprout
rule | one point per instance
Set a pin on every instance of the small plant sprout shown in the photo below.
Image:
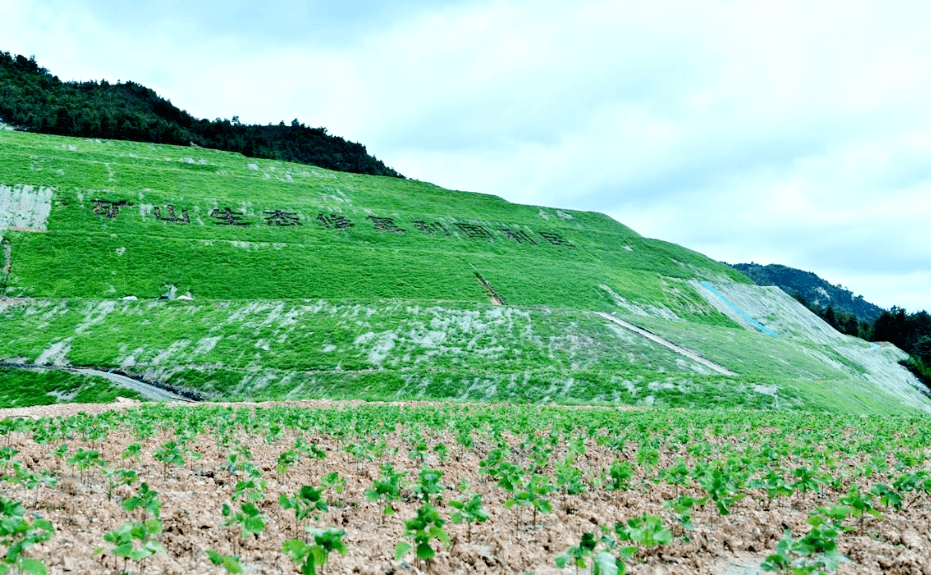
(774, 485)
(7, 455)
(229, 563)
(646, 531)
(334, 482)
(681, 508)
(17, 534)
(135, 541)
(85, 459)
(421, 530)
(387, 489)
(468, 508)
(465, 442)
(133, 451)
(861, 505)
(805, 480)
(619, 476)
(250, 490)
(169, 453)
(117, 477)
(816, 552)
(532, 493)
(247, 517)
(285, 461)
(312, 558)
(60, 452)
(603, 563)
(429, 484)
(305, 502)
(677, 475)
(138, 540)
(145, 500)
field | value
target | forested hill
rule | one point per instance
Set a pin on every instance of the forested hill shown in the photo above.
(32, 99)
(811, 290)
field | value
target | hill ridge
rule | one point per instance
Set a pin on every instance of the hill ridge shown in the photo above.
(32, 99)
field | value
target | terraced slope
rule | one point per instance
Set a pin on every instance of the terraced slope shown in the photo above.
(216, 273)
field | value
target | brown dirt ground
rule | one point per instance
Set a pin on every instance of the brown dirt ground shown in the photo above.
(193, 496)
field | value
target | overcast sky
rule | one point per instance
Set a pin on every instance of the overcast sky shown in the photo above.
(791, 132)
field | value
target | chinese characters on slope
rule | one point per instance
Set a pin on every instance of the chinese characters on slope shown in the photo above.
(282, 218)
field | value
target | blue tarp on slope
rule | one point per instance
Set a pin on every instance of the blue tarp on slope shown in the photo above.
(743, 314)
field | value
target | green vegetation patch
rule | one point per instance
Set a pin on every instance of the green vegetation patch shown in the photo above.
(28, 387)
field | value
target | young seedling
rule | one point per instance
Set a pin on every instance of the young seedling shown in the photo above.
(722, 489)
(229, 563)
(146, 500)
(569, 478)
(805, 480)
(117, 477)
(335, 482)
(604, 562)
(85, 459)
(285, 461)
(429, 484)
(646, 531)
(468, 508)
(133, 451)
(861, 505)
(387, 489)
(620, 474)
(169, 453)
(135, 541)
(247, 517)
(815, 553)
(17, 534)
(677, 475)
(774, 485)
(889, 497)
(250, 490)
(532, 493)
(421, 530)
(309, 557)
(682, 510)
(7, 456)
(305, 502)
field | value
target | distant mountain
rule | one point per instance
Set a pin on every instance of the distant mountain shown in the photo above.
(814, 290)
(33, 100)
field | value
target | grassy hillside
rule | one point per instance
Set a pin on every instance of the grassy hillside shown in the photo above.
(306, 282)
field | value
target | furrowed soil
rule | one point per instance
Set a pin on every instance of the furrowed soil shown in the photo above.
(513, 540)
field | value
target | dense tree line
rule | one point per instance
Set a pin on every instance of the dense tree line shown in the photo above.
(847, 323)
(801, 284)
(910, 332)
(34, 100)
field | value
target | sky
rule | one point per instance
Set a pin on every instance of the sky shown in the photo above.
(789, 132)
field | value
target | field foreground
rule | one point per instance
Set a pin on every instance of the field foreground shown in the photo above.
(674, 491)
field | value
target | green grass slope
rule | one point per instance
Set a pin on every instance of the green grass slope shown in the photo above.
(306, 282)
